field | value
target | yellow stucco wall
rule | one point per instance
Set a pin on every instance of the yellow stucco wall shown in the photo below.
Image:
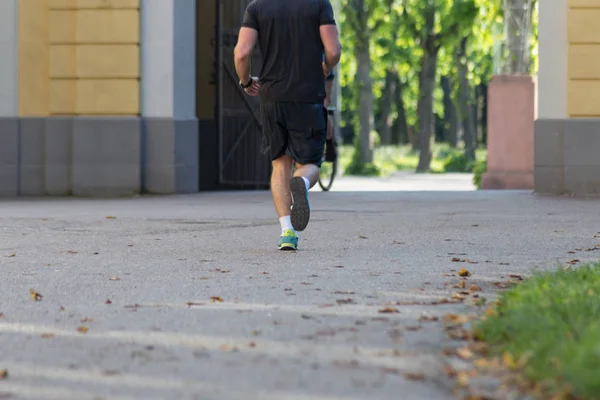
(584, 58)
(79, 57)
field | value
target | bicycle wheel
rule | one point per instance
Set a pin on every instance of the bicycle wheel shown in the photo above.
(327, 174)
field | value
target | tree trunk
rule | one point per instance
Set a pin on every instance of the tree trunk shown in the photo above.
(518, 21)
(365, 95)
(465, 100)
(387, 103)
(450, 119)
(400, 127)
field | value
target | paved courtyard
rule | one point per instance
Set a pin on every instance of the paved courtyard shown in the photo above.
(186, 297)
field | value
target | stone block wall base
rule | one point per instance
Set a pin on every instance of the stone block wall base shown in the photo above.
(507, 181)
(97, 156)
(567, 156)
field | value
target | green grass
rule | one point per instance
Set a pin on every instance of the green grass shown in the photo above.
(553, 320)
(390, 159)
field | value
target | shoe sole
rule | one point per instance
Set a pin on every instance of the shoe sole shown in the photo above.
(300, 214)
(287, 248)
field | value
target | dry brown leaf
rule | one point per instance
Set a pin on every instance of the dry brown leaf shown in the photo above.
(573, 262)
(458, 296)
(12, 255)
(345, 301)
(456, 259)
(82, 329)
(461, 285)
(110, 217)
(252, 345)
(222, 270)
(3, 373)
(47, 335)
(516, 276)
(456, 318)
(463, 272)
(216, 299)
(389, 310)
(474, 288)
(108, 301)
(414, 376)
(465, 353)
(35, 295)
(115, 278)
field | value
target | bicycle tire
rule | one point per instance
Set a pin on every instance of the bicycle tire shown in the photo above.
(327, 182)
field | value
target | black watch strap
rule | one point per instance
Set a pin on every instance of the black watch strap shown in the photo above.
(246, 85)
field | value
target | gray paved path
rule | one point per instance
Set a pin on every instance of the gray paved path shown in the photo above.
(291, 326)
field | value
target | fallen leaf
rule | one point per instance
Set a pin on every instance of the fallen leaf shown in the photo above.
(110, 217)
(82, 329)
(339, 266)
(474, 288)
(516, 276)
(345, 301)
(115, 278)
(428, 318)
(460, 285)
(472, 262)
(465, 353)
(62, 308)
(47, 335)
(223, 271)
(12, 255)
(216, 299)
(456, 318)
(397, 242)
(203, 278)
(458, 296)
(456, 259)
(389, 310)
(573, 262)
(71, 252)
(3, 373)
(414, 376)
(571, 252)
(463, 378)
(108, 301)
(463, 272)
(252, 345)
(35, 295)
(363, 237)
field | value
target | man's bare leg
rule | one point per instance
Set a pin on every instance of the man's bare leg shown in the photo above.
(280, 185)
(308, 171)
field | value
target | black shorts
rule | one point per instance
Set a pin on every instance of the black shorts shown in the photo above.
(295, 129)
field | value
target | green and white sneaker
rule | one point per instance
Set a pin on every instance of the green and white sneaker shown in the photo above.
(288, 240)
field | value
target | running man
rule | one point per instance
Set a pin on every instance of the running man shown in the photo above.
(293, 35)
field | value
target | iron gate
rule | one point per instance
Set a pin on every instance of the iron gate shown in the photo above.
(240, 159)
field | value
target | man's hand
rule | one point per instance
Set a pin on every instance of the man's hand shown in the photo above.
(326, 70)
(252, 90)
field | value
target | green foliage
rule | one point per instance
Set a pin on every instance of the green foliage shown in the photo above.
(479, 169)
(357, 167)
(457, 161)
(550, 322)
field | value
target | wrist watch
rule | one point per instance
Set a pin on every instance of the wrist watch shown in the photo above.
(246, 85)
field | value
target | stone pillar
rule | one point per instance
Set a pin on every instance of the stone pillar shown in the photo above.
(511, 112)
(168, 92)
(552, 96)
(9, 127)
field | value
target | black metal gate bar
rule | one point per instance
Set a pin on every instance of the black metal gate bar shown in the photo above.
(240, 159)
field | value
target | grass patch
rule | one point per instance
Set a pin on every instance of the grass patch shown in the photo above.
(553, 321)
(390, 159)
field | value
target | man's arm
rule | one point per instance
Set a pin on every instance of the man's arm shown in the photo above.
(329, 37)
(242, 53)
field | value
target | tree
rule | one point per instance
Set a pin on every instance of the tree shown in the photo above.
(434, 23)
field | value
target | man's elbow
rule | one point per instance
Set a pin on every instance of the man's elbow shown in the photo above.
(334, 54)
(241, 54)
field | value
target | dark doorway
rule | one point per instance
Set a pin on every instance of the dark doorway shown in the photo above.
(230, 130)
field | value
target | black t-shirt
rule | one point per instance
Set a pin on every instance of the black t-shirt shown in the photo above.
(291, 47)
